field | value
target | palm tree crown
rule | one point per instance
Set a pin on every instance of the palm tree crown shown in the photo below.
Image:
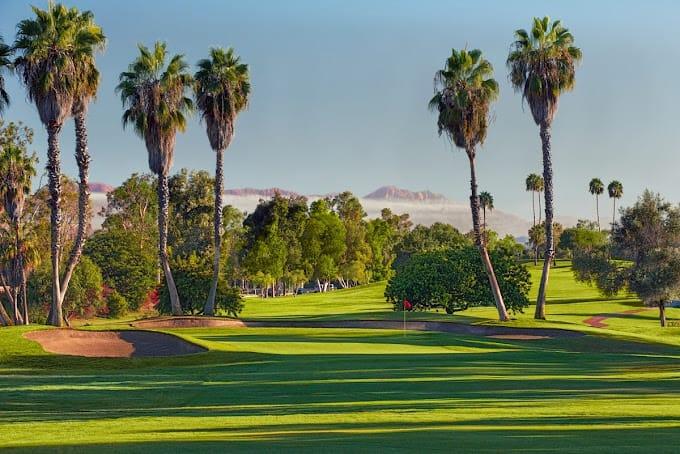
(154, 96)
(542, 65)
(464, 90)
(88, 75)
(596, 187)
(49, 47)
(5, 64)
(486, 201)
(222, 86)
(615, 189)
(16, 171)
(534, 182)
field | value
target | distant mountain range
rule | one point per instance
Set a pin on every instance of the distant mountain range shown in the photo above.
(424, 207)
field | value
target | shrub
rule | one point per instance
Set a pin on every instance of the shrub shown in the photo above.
(193, 277)
(126, 265)
(117, 304)
(455, 280)
(84, 297)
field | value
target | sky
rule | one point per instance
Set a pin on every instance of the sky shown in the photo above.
(340, 91)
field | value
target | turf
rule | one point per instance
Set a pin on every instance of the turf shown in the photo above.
(296, 390)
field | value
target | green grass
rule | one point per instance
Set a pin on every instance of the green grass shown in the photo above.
(296, 390)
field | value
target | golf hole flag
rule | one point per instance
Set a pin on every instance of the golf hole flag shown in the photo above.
(407, 305)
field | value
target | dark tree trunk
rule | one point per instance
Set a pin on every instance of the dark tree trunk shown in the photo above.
(614, 214)
(539, 207)
(209, 308)
(479, 240)
(533, 205)
(83, 160)
(163, 199)
(662, 314)
(56, 317)
(24, 297)
(597, 211)
(549, 249)
(5, 319)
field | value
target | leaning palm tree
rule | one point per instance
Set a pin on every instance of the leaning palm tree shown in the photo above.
(16, 172)
(5, 64)
(486, 202)
(48, 47)
(464, 91)
(222, 86)
(85, 90)
(153, 92)
(615, 190)
(542, 66)
(596, 188)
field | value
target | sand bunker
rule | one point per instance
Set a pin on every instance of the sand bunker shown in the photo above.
(500, 332)
(112, 344)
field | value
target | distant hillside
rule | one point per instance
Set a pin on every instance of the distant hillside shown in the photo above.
(395, 193)
(100, 187)
(269, 192)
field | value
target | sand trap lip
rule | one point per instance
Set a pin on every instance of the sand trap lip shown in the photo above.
(447, 327)
(112, 344)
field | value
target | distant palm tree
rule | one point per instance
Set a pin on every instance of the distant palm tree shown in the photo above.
(542, 67)
(222, 86)
(49, 48)
(16, 171)
(464, 91)
(540, 186)
(530, 185)
(596, 188)
(153, 95)
(84, 91)
(615, 190)
(5, 64)
(486, 202)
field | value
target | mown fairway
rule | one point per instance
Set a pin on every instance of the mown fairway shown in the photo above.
(336, 389)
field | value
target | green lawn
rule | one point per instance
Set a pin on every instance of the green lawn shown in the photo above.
(276, 389)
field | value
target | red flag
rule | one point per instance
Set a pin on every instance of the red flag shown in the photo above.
(407, 305)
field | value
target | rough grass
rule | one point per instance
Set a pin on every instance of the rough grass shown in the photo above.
(333, 390)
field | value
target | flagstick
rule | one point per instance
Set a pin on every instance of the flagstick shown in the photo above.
(404, 331)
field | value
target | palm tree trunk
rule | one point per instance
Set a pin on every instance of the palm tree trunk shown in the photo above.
(163, 199)
(614, 214)
(539, 207)
(533, 205)
(56, 317)
(18, 272)
(83, 161)
(597, 211)
(5, 319)
(209, 308)
(549, 251)
(24, 297)
(479, 241)
(662, 314)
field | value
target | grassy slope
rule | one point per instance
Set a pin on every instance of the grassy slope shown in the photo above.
(569, 304)
(313, 389)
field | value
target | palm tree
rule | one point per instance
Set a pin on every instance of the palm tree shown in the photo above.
(222, 86)
(85, 90)
(464, 91)
(153, 94)
(615, 190)
(540, 186)
(16, 171)
(486, 202)
(596, 187)
(532, 184)
(49, 48)
(5, 64)
(542, 66)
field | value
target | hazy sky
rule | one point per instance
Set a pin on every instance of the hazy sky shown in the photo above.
(340, 90)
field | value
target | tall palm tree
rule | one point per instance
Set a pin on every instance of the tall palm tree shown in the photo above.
(85, 90)
(5, 64)
(222, 87)
(49, 47)
(464, 91)
(486, 202)
(532, 184)
(16, 172)
(540, 187)
(596, 188)
(542, 66)
(153, 92)
(615, 190)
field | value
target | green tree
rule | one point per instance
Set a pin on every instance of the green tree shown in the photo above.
(357, 253)
(643, 256)
(585, 236)
(486, 202)
(190, 207)
(455, 280)
(596, 188)
(153, 95)
(17, 169)
(323, 243)
(424, 239)
(464, 91)
(615, 190)
(124, 266)
(5, 64)
(542, 66)
(51, 50)
(222, 89)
